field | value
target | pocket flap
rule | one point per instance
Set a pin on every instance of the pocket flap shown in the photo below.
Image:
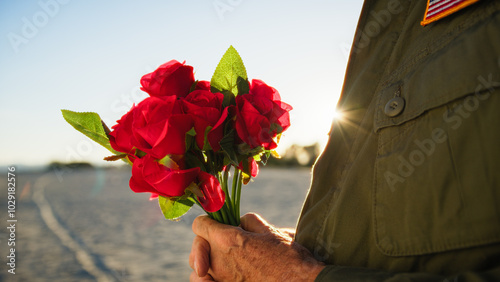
(442, 77)
(436, 182)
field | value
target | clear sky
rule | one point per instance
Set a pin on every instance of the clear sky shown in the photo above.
(90, 56)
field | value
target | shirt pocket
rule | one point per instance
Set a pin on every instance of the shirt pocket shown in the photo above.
(437, 171)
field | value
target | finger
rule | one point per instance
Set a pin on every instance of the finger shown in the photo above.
(204, 226)
(254, 223)
(195, 278)
(199, 258)
(194, 250)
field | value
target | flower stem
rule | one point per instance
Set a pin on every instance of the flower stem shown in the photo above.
(238, 197)
(229, 202)
(224, 215)
(233, 189)
(217, 216)
(232, 219)
(220, 215)
(236, 191)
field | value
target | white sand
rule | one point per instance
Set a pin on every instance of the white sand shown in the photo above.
(121, 234)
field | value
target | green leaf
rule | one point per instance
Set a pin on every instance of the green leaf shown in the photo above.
(193, 160)
(193, 86)
(230, 74)
(243, 86)
(169, 162)
(264, 156)
(191, 132)
(173, 209)
(245, 149)
(190, 138)
(227, 146)
(91, 125)
(206, 144)
(228, 98)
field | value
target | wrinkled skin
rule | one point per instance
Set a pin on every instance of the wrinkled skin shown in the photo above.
(256, 251)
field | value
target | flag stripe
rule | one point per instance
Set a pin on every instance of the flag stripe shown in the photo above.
(442, 9)
(437, 9)
(437, 5)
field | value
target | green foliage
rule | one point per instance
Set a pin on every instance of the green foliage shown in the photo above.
(194, 160)
(91, 125)
(227, 146)
(190, 138)
(173, 209)
(230, 76)
(243, 85)
(169, 162)
(206, 144)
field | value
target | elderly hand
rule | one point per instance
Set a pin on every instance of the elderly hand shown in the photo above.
(255, 252)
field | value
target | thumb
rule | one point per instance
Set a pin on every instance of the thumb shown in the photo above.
(254, 223)
(199, 258)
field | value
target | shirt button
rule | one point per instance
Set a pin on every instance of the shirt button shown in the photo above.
(394, 107)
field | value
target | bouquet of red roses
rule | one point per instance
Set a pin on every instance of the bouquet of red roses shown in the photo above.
(184, 140)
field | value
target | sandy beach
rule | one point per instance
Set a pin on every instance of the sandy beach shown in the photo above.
(86, 225)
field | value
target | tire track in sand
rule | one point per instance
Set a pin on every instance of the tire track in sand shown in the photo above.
(82, 256)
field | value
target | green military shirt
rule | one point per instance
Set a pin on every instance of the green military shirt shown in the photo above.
(408, 186)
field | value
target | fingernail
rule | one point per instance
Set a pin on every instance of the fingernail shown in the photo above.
(196, 269)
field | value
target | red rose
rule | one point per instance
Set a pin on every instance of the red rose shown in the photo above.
(160, 127)
(268, 101)
(206, 109)
(150, 176)
(252, 127)
(261, 115)
(155, 126)
(250, 168)
(170, 79)
(214, 197)
(121, 137)
(202, 85)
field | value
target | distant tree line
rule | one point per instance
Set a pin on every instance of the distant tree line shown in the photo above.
(297, 155)
(55, 165)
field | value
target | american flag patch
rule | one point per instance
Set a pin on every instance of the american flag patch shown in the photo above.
(438, 9)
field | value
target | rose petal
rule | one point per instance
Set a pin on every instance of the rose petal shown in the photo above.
(150, 176)
(137, 182)
(174, 140)
(202, 85)
(217, 133)
(169, 183)
(214, 197)
(121, 138)
(170, 79)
